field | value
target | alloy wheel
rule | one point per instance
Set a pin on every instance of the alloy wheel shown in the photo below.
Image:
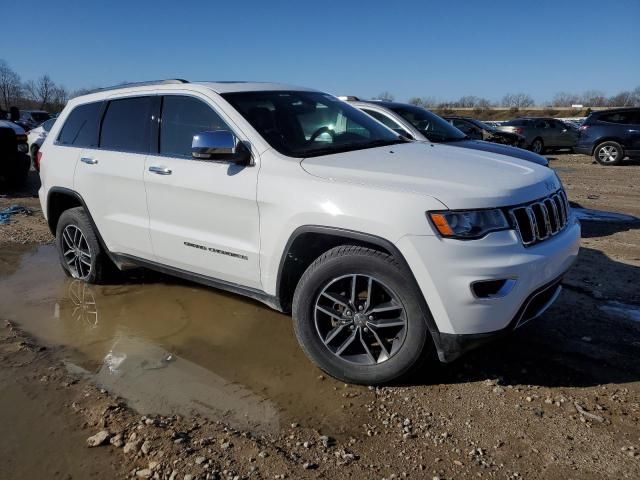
(536, 146)
(76, 252)
(360, 319)
(608, 154)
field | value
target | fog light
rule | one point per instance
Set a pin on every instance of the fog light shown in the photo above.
(492, 288)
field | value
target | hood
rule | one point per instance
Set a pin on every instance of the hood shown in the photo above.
(16, 128)
(502, 149)
(458, 177)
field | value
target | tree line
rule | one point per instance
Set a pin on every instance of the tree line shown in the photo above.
(39, 94)
(590, 98)
(44, 94)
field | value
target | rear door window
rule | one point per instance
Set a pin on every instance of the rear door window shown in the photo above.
(182, 118)
(126, 125)
(82, 125)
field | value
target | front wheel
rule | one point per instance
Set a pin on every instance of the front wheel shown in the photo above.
(608, 153)
(358, 318)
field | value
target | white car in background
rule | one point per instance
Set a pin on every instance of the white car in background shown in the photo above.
(35, 138)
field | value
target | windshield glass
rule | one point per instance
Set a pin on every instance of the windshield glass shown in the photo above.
(307, 124)
(435, 128)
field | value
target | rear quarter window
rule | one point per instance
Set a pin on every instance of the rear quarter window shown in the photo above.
(81, 126)
(621, 118)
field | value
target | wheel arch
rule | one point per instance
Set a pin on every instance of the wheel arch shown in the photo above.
(308, 242)
(609, 138)
(60, 199)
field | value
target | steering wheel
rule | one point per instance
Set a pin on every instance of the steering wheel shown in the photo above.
(320, 131)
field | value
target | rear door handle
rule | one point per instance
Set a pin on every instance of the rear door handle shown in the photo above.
(89, 161)
(160, 170)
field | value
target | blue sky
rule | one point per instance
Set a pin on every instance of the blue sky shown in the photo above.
(441, 49)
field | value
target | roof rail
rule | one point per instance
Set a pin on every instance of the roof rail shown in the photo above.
(141, 84)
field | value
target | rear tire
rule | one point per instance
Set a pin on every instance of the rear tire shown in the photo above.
(609, 153)
(385, 322)
(81, 255)
(537, 146)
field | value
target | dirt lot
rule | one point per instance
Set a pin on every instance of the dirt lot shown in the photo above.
(179, 381)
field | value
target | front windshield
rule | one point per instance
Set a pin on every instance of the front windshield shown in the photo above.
(307, 124)
(435, 128)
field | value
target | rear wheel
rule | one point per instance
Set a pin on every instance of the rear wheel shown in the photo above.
(80, 252)
(356, 316)
(608, 153)
(537, 146)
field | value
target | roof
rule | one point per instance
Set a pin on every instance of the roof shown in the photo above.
(240, 86)
(216, 86)
(384, 103)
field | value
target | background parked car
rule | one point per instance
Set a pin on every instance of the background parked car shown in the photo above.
(542, 133)
(420, 124)
(481, 131)
(35, 138)
(14, 161)
(33, 118)
(611, 135)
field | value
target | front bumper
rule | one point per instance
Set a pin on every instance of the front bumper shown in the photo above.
(445, 269)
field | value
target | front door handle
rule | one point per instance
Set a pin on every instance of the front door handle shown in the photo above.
(89, 161)
(160, 170)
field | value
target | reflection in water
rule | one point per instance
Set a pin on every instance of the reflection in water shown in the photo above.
(170, 347)
(84, 302)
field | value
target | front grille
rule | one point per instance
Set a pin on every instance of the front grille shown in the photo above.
(542, 219)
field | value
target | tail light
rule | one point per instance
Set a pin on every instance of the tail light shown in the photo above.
(38, 159)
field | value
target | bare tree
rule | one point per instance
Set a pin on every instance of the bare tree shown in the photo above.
(10, 85)
(59, 98)
(517, 100)
(41, 91)
(387, 96)
(593, 98)
(565, 99)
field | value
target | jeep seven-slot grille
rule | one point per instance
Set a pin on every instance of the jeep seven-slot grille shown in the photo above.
(542, 219)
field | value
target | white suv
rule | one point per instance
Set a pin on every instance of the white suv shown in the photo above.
(385, 250)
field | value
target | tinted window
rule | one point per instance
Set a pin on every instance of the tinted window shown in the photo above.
(182, 118)
(81, 127)
(126, 125)
(623, 118)
(40, 116)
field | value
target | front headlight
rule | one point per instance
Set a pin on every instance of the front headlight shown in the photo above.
(468, 224)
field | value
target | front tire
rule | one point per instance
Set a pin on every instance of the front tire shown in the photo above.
(81, 255)
(609, 153)
(358, 318)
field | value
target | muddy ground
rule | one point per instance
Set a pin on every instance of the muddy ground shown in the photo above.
(180, 381)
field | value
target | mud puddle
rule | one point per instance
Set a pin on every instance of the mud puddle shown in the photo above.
(170, 347)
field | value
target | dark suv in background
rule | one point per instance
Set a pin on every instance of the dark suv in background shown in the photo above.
(542, 133)
(611, 135)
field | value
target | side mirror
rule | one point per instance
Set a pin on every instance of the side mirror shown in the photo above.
(221, 146)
